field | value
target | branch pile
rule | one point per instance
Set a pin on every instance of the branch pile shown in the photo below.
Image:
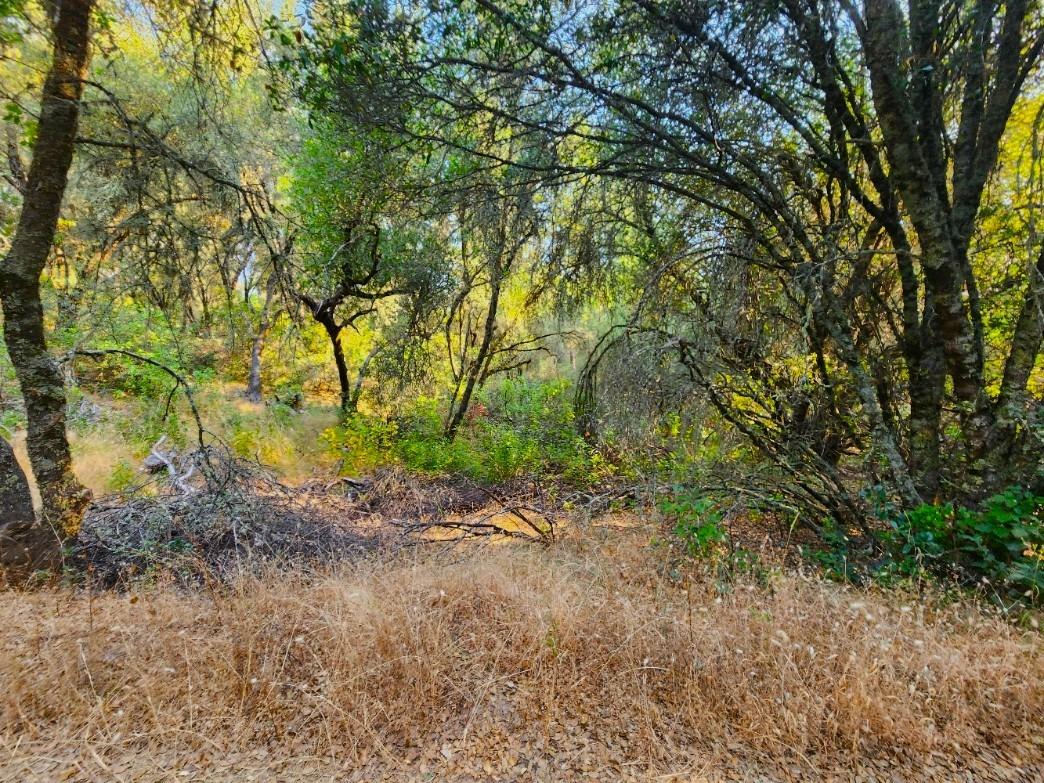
(217, 516)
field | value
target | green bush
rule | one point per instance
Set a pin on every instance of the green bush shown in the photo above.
(530, 429)
(523, 428)
(1000, 545)
(243, 438)
(509, 453)
(122, 477)
(144, 421)
(361, 442)
(696, 520)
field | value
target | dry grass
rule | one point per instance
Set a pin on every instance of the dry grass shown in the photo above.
(504, 662)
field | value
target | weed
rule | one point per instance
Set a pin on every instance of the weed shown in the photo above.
(998, 546)
(697, 520)
(122, 476)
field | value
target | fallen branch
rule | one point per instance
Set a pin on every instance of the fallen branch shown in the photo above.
(158, 459)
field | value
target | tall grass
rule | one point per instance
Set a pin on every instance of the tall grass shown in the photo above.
(510, 648)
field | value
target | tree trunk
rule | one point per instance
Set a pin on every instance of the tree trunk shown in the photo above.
(333, 331)
(1026, 340)
(64, 498)
(907, 93)
(927, 379)
(475, 369)
(253, 390)
(353, 401)
(24, 545)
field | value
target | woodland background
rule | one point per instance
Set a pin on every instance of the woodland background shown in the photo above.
(304, 286)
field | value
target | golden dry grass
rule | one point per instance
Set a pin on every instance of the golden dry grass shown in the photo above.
(509, 663)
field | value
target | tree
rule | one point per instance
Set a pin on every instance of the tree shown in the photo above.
(364, 241)
(64, 498)
(152, 212)
(176, 200)
(497, 224)
(350, 72)
(836, 158)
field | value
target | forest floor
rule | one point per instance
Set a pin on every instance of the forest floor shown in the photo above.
(601, 656)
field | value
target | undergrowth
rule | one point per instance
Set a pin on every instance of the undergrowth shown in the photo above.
(994, 550)
(517, 428)
(509, 645)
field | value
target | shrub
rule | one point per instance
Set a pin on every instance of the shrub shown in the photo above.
(1000, 544)
(361, 442)
(244, 440)
(123, 475)
(530, 429)
(696, 520)
(525, 428)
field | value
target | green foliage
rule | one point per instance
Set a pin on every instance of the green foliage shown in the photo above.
(244, 440)
(422, 445)
(347, 195)
(360, 443)
(999, 545)
(697, 522)
(528, 429)
(997, 548)
(11, 420)
(141, 421)
(518, 428)
(509, 453)
(122, 476)
(140, 380)
(138, 328)
(10, 31)
(834, 557)
(696, 519)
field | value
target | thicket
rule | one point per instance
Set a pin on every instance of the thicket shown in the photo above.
(769, 261)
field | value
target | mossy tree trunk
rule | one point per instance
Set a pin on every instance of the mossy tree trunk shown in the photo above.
(39, 376)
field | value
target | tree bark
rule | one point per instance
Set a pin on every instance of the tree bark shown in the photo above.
(253, 390)
(1013, 404)
(907, 98)
(333, 331)
(64, 498)
(24, 545)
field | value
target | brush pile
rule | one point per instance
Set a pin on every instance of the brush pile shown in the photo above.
(215, 515)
